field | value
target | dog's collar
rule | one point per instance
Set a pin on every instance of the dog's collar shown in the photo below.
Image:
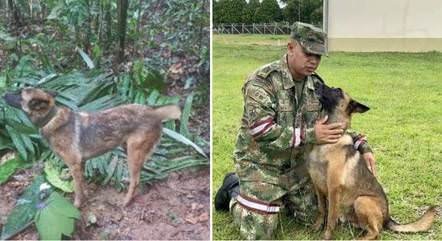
(41, 123)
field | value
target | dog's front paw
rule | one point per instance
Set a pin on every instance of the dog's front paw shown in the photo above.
(327, 235)
(77, 202)
(126, 201)
(317, 226)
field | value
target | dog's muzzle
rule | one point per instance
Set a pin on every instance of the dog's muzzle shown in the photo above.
(13, 100)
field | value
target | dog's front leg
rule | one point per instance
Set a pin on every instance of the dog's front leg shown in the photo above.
(73, 160)
(334, 195)
(321, 210)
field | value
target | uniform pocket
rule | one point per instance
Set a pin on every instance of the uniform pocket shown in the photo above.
(310, 118)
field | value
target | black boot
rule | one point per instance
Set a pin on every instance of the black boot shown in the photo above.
(227, 191)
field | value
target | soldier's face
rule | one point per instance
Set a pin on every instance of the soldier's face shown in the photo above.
(301, 63)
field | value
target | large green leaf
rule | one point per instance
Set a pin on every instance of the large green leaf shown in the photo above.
(9, 168)
(178, 137)
(20, 127)
(56, 218)
(18, 142)
(24, 211)
(90, 64)
(184, 121)
(53, 177)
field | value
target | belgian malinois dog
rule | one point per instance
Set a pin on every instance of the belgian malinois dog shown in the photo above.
(78, 136)
(345, 188)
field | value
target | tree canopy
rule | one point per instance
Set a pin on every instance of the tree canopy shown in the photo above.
(267, 11)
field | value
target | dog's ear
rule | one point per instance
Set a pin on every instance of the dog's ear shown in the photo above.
(38, 104)
(356, 107)
(51, 93)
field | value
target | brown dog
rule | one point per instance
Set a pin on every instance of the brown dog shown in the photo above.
(343, 181)
(79, 136)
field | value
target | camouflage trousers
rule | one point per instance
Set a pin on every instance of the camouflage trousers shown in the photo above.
(298, 203)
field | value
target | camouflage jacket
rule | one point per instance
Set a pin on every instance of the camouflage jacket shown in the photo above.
(276, 126)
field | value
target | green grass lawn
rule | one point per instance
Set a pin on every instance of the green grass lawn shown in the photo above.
(404, 125)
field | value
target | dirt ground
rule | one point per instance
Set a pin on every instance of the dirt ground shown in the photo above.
(173, 208)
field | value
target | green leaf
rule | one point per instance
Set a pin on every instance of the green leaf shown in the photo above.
(56, 11)
(111, 169)
(6, 37)
(57, 218)
(24, 210)
(9, 168)
(53, 177)
(47, 78)
(153, 97)
(178, 137)
(20, 127)
(62, 206)
(18, 142)
(29, 146)
(184, 121)
(90, 64)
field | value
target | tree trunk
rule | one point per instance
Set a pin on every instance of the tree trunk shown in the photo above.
(108, 20)
(87, 37)
(14, 12)
(140, 5)
(122, 23)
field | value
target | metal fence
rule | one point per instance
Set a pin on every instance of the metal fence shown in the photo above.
(262, 28)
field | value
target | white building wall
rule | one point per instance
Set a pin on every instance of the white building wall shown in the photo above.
(384, 25)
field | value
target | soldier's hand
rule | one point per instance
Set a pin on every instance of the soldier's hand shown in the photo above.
(327, 133)
(370, 161)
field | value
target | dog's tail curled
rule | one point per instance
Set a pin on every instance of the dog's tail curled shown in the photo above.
(420, 225)
(168, 112)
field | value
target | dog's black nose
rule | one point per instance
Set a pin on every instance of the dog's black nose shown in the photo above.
(13, 100)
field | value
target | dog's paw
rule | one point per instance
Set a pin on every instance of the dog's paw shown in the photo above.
(78, 201)
(127, 201)
(327, 235)
(317, 226)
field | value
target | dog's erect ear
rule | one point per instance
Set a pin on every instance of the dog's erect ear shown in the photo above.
(38, 104)
(356, 107)
(51, 93)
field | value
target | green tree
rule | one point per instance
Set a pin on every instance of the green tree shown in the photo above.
(308, 11)
(269, 11)
(217, 12)
(229, 11)
(249, 12)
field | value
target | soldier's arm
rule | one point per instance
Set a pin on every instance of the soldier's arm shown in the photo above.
(260, 104)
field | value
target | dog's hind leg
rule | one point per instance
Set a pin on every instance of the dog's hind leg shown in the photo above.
(369, 215)
(140, 146)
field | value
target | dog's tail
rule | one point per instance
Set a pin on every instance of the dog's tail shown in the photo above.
(168, 112)
(420, 225)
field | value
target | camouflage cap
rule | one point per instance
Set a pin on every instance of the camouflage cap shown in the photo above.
(311, 38)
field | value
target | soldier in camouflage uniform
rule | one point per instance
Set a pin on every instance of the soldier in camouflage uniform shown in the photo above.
(282, 114)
